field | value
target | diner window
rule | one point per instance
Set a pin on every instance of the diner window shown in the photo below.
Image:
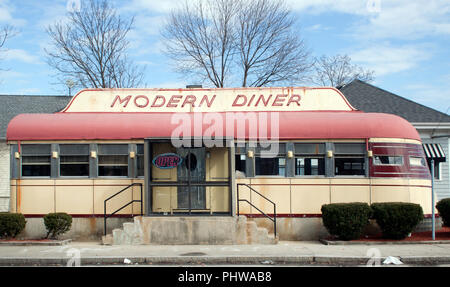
(387, 160)
(240, 162)
(74, 160)
(140, 160)
(417, 161)
(270, 159)
(36, 160)
(349, 159)
(113, 160)
(309, 166)
(270, 166)
(309, 159)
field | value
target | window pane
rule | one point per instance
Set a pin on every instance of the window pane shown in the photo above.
(112, 170)
(74, 169)
(35, 170)
(35, 160)
(270, 166)
(113, 160)
(140, 165)
(71, 159)
(416, 161)
(388, 160)
(240, 162)
(309, 166)
(74, 149)
(349, 166)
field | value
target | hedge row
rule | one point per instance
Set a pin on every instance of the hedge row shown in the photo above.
(348, 220)
(11, 224)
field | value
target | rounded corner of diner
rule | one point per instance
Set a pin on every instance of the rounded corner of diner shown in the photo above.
(166, 154)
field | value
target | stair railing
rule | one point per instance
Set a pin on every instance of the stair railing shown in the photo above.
(273, 219)
(117, 193)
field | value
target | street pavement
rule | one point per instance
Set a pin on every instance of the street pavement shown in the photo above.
(285, 253)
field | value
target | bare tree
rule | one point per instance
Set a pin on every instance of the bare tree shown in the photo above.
(338, 70)
(6, 32)
(91, 48)
(221, 40)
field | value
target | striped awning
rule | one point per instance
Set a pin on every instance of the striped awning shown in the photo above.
(434, 151)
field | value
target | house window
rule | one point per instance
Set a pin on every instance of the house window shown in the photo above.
(387, 160)
(113, 160)
(309, 159)
(349, 159)
(36, 160)
(140, 160)
(74, 160)
(437, 169)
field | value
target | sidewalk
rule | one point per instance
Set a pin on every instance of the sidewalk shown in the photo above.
(297, 253)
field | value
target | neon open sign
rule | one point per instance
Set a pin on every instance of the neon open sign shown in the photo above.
(167, 160)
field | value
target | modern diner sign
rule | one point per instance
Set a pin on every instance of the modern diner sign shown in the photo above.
(167, 160)
(209, 100)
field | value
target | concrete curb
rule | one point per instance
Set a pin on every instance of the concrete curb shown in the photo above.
(221, 260)
(341, 242)
(36, 243)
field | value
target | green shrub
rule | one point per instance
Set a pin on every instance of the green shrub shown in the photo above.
(57, 223)
(11, 224)
(397, 219)
(443, 207)
(346, 220)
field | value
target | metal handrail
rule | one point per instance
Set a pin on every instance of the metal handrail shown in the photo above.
(274, 219)
(114, 195)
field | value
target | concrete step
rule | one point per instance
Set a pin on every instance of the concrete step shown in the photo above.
(189, 230)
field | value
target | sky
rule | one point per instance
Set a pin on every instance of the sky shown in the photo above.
(405, 42)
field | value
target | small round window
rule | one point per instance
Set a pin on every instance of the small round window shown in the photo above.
(191, 161)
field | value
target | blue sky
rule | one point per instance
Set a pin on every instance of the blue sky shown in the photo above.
(405, 42)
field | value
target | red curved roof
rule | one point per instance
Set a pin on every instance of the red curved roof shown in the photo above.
(292, 125)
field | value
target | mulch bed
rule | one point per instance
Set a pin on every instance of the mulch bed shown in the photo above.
(442, 235)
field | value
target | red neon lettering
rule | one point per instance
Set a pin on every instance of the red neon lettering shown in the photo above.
(205, 99)
(141, 105)
(174, 100)
(279, 99)
(235, 104)
(251, 100)
(297, 100)
(154, 105)
(261, 98)
(190, 99)
(117, 98)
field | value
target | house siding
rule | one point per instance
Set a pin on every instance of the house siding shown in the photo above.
(442, 186)
(4, 176)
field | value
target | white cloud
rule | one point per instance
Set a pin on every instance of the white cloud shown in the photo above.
(386, 59)
(155, 6)
(21, 55)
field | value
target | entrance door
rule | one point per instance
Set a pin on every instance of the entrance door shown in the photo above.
(192, 169)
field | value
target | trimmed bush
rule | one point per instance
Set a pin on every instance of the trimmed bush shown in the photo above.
(11, 224)
(397, 219)
(443, 207)
(346, 220)
(57, 223)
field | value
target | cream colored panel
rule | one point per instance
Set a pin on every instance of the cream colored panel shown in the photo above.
(244, 193)
(308, 195)
(219, 198)
(390, 190)
(12, 198)
(350, 190)
(217, 164)
(275, 189)
(36, 197)
(137, 196)
(164, 199)
(104, 188)
(74, 196)
(422, 196)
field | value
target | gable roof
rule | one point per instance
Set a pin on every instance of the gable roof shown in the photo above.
(12, 105)
(369, 98)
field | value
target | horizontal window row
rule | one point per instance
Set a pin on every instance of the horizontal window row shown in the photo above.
(81, 160)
